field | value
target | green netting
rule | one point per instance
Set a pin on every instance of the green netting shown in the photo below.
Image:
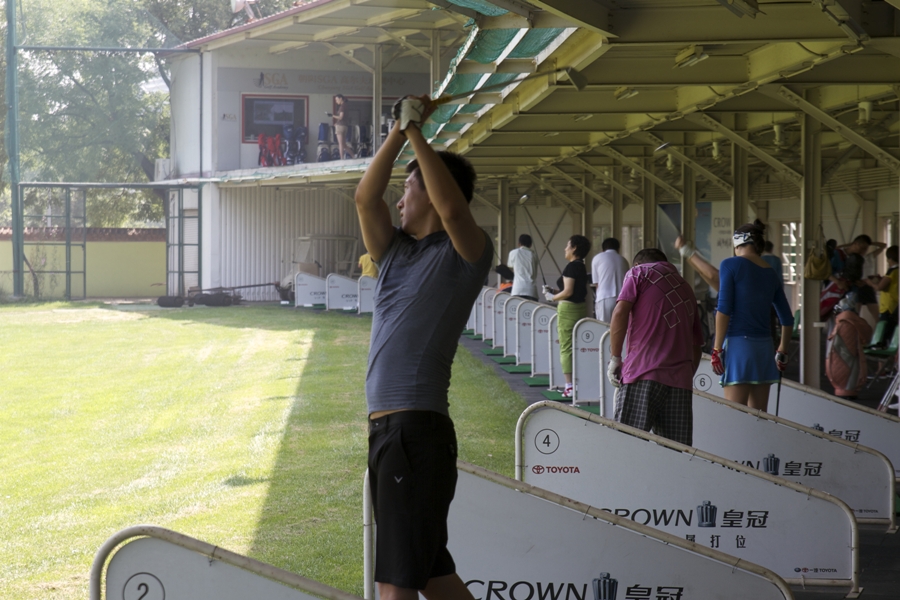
(534, 41)
(481, 6)
(470, 108)
(429, 129)
(453, 127)
(490, 44)
(499, 78)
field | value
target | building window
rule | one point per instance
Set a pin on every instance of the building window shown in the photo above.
(268, 114)
(791, 251)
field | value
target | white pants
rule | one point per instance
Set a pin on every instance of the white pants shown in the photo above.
(603, 308)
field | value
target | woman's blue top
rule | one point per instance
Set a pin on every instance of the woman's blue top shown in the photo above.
(746, 294)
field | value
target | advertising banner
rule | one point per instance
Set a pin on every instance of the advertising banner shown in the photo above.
(514, 542)
(479, 311)
(540, 339)
(858, 475)
(586, 372)
(147, 568)
(523, 333)
(510, 325)
(342, 293)
(500, 301)
(557, 379)
(309, 290)
(813, 408)
(366, 291)
(487, 314)
(797, 532)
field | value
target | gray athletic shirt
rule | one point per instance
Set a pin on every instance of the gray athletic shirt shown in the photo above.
(423, 299)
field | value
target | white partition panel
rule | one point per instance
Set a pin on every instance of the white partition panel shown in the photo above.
(540, 339)
(342, 293)
(479, 311)
(500, 301)
(157, 563)
(798, 532)
(516, 542)
(523, 336)
(510, 326)
(309, 290)
(814, 408)
(557, 379)
(366, 291)
(586, 372)
(487, 314)
(858, 475)
(470, 324)
(512, 541)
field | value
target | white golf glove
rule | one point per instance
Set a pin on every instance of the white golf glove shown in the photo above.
(614, 371)
(408, 110)
(549, 295)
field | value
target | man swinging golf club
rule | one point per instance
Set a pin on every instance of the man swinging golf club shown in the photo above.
(432, 268)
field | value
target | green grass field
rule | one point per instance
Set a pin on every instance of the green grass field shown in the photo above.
(241, 426)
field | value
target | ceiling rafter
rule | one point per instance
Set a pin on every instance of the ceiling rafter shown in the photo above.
(735, 138)
(610, 152)
(690, 162)
(560, 173)
(544, 185)
(605, 177)
(843, 130)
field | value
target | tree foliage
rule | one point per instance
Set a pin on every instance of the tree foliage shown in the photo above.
(93, 116)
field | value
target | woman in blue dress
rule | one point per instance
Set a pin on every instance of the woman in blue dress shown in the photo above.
(742, 353)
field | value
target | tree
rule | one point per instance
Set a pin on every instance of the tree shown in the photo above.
(89, 116)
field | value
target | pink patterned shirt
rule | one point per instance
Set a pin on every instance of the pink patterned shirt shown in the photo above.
(663, 328)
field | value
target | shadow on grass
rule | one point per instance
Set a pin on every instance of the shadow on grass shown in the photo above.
(310, 522)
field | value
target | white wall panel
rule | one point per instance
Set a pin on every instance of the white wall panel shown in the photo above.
(258, 226)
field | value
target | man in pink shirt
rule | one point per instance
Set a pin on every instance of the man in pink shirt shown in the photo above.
(664, 348)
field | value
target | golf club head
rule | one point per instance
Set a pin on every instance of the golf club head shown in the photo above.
(577, 79)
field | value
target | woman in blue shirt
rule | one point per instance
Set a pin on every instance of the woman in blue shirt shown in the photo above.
(748, 288)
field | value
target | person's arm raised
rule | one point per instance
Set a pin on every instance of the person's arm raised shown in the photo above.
(374, 216)
(448, 200)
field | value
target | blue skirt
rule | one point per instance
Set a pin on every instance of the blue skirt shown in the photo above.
(749, 361)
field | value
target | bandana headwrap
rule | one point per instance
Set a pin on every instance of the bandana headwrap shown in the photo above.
(741, 238)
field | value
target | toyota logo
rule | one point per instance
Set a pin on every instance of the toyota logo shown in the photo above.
(537, 469)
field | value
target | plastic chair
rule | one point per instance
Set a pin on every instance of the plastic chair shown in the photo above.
(878, 335)
(884, 356)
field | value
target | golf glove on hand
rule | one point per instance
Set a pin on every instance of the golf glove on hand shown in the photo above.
(614, 371)
(549, 295)
(718, 361)
(408, 110)
(781, 361)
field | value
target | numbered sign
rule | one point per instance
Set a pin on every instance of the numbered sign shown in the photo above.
(540, 339)
(309, 290)
(479, 311)
(487, 314)
(366, 291)
(500, 301)
(586, 367)
(523, 332)
(510, 325)
(342, 293)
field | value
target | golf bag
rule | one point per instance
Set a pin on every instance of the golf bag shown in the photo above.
(323, 146)
(265, 158)
(335, 149)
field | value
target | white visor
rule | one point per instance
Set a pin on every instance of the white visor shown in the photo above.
(741, 238)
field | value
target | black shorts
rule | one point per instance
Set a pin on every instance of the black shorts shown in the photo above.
(412, 475)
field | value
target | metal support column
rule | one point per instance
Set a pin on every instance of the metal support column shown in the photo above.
(741, 194)
(12, 149)
(617, 206)
(811, 219)
(505, 222)
(436, 72)
(688, 213)
(648, 215)
(376, 98)
(587, 218)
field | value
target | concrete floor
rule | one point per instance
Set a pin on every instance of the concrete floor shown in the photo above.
(879, 551)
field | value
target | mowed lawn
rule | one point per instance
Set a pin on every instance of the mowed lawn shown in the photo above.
(241, 426)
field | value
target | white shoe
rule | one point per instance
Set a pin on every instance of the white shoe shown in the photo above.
(894, 406)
